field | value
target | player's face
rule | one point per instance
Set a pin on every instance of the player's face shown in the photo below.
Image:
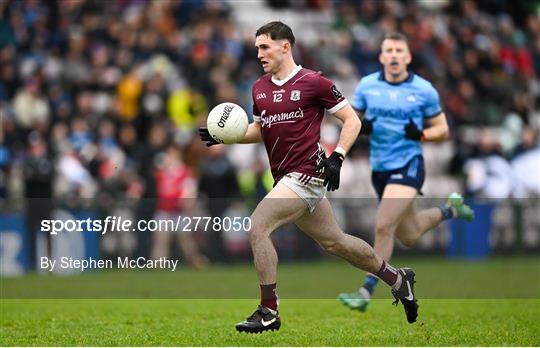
(270, 52)
(395, 56)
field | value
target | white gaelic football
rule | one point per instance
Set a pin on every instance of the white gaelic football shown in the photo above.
(227, 123)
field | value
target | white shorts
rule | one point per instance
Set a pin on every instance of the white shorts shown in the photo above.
(309, 188)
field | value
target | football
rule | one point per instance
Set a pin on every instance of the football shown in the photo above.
(227, 123)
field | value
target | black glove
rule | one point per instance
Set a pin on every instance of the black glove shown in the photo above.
(412, 132)
(205, 136)
(330, 168)
(367, 126)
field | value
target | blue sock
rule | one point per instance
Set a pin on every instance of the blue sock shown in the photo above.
(370, 283)
(447, 212)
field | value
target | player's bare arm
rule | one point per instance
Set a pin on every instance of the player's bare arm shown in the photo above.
(253, 134)
(351, 127)
(437, 129)
(349, 132)
(366, 126)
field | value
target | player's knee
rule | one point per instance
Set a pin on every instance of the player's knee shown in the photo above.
(255, 233)
(408, 233)
(407, 241)
(383, 229)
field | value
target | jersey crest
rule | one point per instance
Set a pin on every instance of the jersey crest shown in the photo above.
(295, 95)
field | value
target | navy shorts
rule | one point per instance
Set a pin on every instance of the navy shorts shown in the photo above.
(412, 174)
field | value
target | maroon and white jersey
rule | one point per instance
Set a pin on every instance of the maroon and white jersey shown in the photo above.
(290, 112)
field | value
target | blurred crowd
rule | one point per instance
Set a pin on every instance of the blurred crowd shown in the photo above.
(101, 99)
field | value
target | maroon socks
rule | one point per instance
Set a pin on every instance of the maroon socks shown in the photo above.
(269, 297)
(389, 275)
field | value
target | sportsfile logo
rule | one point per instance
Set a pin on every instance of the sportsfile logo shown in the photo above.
(121, 224)
(226, 112)
(283, 117)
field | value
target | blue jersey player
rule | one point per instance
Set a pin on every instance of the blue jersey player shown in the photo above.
(395, 105)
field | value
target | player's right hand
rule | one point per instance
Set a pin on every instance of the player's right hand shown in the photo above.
(205, 136)
(367, 126)
(331, 168)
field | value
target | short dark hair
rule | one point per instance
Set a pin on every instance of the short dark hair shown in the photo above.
(277, 31)
(395, 36)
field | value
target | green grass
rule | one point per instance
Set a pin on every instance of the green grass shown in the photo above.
(438, 278)
(304, 323)
(490, 303)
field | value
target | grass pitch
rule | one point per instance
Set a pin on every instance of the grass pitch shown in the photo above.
(304, 323)
(478, 316)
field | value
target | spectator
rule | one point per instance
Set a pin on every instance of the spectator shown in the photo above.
(219, 184)
(31, 108)
(176, 193)
(525, 165)
(38, 175)
(489, 175)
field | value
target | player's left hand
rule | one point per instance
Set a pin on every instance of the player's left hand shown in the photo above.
(331, 167)
(205, 136)
(412, 132)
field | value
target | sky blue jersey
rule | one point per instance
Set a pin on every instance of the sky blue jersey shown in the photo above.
(390, 106)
